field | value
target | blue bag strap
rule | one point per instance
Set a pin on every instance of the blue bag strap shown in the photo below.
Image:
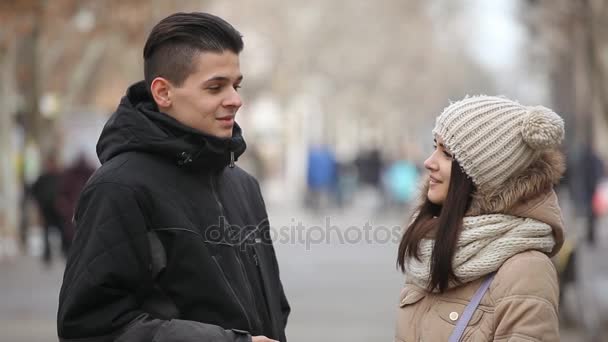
(468, 312)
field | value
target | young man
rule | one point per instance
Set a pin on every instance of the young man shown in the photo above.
(172, 238)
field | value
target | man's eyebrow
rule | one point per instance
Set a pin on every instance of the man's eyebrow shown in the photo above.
(224, 79)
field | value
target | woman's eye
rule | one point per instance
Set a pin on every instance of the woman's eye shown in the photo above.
(237, 87)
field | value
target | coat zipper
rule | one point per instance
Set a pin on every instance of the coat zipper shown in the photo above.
(233, 292)
(215, 196)
(248, 285)
(265, 283)
(231, 165)
(238, 258)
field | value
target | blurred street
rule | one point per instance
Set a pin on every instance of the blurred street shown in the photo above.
(338, 292)
(339, 101)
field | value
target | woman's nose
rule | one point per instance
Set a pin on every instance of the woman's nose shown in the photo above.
(430, 163)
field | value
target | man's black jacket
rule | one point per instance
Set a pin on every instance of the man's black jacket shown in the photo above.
(172, 240)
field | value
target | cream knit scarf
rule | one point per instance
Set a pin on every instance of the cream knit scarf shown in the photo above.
(485, 243)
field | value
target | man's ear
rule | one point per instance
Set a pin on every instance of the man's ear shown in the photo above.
(161, 92)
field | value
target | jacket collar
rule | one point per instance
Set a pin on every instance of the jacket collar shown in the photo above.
(138, 125)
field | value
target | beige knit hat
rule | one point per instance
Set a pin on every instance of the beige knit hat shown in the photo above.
(494, 138)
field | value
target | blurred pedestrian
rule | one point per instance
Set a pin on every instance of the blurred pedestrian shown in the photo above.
(369, 166)
(172, 238)
(489, 221)
(45, 192)
(346, 182)
(586, 172)
(321, 177)
(73, 180)
(400, 180)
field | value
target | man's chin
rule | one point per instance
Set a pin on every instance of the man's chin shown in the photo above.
(220, 133)
(223, 134)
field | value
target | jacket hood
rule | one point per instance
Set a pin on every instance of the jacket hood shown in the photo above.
(544, 208)
(536, 180)
(529, 194)
(138, 125)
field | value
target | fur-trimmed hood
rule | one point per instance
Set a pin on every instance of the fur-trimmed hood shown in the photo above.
(529, 194)
(536, 180)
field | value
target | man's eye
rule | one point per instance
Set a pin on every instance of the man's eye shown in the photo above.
(447, 154)
(237, 87)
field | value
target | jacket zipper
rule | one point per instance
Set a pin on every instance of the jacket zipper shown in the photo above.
(264, 281)
(238, 258)
(215, 196)
(248, 286)
(231, 165)
(233, 292)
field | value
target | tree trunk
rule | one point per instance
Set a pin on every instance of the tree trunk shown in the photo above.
(8, 207)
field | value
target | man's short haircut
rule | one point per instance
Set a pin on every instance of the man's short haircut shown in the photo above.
(177, 39)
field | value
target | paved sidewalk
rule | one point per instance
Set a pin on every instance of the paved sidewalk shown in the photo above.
(339, 292)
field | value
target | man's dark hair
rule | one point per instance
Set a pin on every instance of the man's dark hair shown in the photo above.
(177, 39)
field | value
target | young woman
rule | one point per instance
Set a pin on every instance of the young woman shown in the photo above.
(488, 216)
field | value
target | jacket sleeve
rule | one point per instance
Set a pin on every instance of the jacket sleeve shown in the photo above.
(528, 310)
(108, 267)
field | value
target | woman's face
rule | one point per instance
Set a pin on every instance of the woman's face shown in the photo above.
(439, 165)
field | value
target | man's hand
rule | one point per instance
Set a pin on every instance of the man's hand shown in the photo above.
(262, 339)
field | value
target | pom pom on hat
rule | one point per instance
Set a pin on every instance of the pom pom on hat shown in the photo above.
(542, 128)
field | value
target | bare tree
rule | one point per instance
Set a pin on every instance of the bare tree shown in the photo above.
(572, 36)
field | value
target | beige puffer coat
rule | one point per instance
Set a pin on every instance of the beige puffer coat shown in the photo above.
(522, 301)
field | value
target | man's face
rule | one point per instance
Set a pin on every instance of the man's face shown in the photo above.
(208, 99)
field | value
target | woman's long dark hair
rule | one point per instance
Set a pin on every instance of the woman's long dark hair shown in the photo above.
(445, 228)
